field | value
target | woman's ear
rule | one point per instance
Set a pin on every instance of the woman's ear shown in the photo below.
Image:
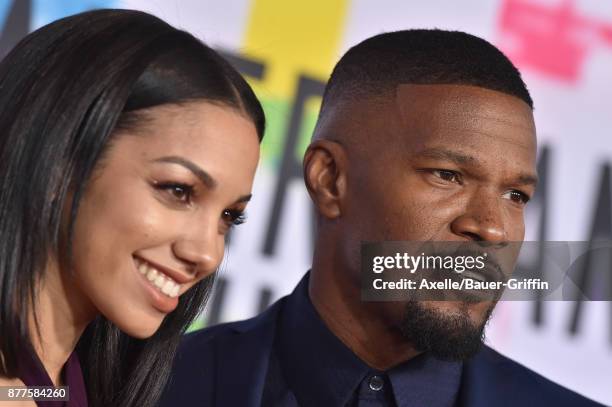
(325, 172)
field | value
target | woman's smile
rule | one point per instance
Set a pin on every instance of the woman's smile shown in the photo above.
(161, 288)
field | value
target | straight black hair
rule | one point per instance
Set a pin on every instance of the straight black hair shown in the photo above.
(64, 89)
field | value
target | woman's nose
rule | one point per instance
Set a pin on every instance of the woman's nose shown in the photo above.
(202, 248)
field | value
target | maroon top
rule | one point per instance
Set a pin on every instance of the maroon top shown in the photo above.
(33, 373)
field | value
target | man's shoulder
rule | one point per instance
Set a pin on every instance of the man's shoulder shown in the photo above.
(204, 340)
(200, 352)
(209, 359)
(491, 374)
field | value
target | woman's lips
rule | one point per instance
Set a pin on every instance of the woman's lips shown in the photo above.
(155, 287)
(161, 281)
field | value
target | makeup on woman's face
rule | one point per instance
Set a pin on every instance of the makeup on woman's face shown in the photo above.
(154, 216)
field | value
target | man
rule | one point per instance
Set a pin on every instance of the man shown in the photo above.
(423, 135)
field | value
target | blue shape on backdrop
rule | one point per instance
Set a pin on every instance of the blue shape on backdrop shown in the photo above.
(4, 9)
(45, 11)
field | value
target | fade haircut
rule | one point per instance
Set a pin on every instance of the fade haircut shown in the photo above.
(379, 64)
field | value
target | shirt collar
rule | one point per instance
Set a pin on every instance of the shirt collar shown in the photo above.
(425, 381)
(321, 370)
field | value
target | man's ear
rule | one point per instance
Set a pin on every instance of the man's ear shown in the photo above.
(325, 168)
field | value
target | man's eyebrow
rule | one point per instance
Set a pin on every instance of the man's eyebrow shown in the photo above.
(205, 177)
(449, 155)
(461, 158)
(527, 179)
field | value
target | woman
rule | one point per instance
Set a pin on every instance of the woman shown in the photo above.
(127, 151)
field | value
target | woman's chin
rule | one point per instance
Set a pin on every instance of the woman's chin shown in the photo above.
(140, 327)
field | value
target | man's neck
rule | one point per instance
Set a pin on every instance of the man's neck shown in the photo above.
(360, 325)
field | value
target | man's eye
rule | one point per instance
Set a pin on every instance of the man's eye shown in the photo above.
(447, 175)
(517, 197)
(233, 217)
(179, 192)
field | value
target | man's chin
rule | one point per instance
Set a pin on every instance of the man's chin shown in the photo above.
(451, 331)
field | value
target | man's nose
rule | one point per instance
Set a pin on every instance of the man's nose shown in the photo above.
(483, 219)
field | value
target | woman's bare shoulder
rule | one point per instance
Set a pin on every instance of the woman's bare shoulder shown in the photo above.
(6, 381)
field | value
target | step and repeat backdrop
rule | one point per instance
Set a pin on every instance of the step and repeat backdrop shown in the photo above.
(287, 50)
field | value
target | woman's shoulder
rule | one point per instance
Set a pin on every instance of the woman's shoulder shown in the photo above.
(7, 381)
(14, 382)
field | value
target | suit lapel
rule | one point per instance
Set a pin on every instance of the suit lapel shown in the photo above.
(489, 379)
(242, 360)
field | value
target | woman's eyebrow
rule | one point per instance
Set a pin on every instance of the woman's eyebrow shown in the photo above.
(244, 198)
(203, 176)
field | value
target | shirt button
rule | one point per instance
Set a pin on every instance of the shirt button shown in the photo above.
(376, 383)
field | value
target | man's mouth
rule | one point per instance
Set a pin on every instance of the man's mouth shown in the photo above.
(490, 274)
(162, 282)
(474, 275)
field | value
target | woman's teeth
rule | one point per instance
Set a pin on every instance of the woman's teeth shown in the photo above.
(159, 280)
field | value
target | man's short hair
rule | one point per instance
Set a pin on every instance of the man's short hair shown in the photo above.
(427, 57)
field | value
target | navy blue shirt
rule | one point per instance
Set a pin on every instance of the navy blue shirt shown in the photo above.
(310, 366)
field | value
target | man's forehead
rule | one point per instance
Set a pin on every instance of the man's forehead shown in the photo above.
(462, 111)
(422, 116)
(462, 102)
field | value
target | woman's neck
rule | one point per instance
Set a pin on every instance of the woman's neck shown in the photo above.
(62, 313)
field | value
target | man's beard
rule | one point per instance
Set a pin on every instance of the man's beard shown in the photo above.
(446, 335)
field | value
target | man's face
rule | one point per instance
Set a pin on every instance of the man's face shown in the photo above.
(439, 163)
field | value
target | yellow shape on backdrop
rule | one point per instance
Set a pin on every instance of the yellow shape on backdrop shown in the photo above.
(294, 37)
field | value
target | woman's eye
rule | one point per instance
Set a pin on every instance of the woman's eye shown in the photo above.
(447, 175)
(517, 197)
(233, 217)
(179, 192)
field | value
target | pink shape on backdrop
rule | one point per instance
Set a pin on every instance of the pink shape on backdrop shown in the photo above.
(553, 40)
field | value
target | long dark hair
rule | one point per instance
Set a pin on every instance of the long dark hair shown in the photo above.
(63, 90)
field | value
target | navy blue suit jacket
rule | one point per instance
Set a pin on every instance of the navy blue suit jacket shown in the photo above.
(226, 365)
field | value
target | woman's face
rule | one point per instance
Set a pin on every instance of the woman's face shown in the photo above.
(153, 218)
